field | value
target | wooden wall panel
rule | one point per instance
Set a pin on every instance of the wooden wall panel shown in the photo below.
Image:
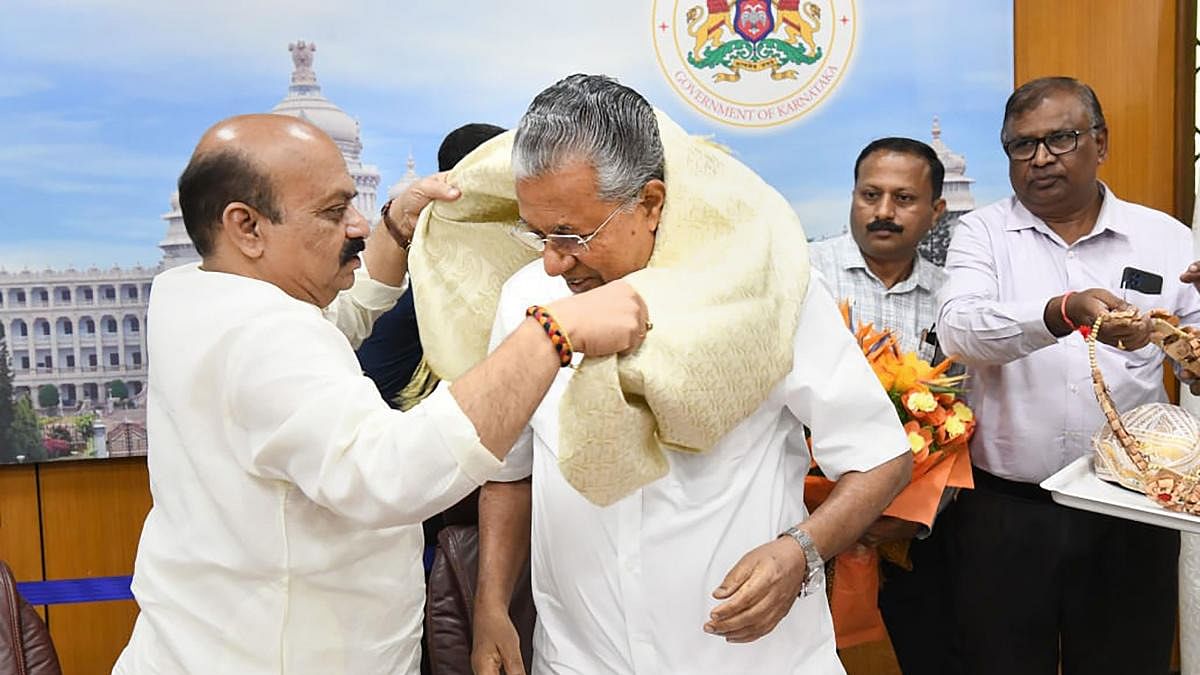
(1128, 51)
(20, 529)
(92, 514)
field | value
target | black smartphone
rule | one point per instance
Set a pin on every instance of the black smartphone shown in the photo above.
(1141, 281)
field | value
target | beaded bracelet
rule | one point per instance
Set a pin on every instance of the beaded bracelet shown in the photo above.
(562, 344)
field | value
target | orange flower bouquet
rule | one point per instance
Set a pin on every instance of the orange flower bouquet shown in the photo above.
(938, 425)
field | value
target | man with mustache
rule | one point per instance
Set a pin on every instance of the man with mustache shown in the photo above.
(285, 533)
(1038, 586)
(897, 199)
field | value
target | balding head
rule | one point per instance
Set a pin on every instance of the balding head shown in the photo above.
(240, 159)
(269, 197)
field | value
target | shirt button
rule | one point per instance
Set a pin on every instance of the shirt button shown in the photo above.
(1073, 388)
(1070, 254)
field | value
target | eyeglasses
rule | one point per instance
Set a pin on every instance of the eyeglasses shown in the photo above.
(564, 244)
(1057, 143)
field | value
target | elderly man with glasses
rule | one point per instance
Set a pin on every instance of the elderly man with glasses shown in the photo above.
(674, 573)
(1037, 584)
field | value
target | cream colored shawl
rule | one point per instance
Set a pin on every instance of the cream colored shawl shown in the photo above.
(724, 287)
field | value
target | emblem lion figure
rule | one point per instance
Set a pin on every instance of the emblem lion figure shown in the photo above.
(714, 24)
(707, 27)
(795, 26)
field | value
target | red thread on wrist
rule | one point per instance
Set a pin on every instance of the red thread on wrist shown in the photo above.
(558, 338)
(1062, 309)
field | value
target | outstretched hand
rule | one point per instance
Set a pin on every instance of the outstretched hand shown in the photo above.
(1083, 307)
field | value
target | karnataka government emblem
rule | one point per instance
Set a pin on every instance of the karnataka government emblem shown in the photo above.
(754, 63)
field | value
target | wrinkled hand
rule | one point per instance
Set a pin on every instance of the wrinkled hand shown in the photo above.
(609, 319)
(888, 529)
(496, 646)
(1083, 308)
(759, 591)
(401, 216)
(1192, 275)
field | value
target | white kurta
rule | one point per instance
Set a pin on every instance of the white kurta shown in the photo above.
(285, 535)
(627, 588)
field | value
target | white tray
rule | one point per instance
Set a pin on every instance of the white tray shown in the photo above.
(1077, 486)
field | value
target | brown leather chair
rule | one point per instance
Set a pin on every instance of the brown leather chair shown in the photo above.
(450, 603)
(25, 645)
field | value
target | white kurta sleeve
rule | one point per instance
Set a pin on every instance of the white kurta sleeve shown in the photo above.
(355, 310)
(518, 463)
(833, 391)
(300, 411)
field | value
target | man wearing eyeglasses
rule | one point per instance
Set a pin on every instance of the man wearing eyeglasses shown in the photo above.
(1037, 584)
(676, 576)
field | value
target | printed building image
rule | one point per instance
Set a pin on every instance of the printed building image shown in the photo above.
(82, 329)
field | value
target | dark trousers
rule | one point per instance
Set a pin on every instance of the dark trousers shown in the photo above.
(1034, 582)
(916, 604)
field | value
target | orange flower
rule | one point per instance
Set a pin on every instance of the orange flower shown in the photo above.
(933, 417)
(910, 371)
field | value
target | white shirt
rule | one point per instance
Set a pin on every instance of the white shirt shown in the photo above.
(627, 588)
(1031, 392)
(909, 308)
(285, 535)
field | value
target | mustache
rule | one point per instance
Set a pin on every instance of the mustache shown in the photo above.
(884, 226)
(352, 248)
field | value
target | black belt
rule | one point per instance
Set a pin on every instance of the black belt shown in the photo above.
(1013, 488)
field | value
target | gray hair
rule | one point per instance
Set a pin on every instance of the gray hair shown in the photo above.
(594, 119)
(1029, 96)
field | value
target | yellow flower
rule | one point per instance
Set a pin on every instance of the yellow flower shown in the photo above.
(962, 412)
(920, 401)
(919, 440)
(955, 426)
(916, 441)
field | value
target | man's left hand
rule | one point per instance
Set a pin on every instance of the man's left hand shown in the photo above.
(759, 591)
(400, 218)
(888, 529)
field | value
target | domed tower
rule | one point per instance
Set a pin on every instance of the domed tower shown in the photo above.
(410, 177)
(957, 187)
(956, 190)
(177, 246)
(304, 100)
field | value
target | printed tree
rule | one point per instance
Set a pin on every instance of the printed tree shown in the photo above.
(25, 435)
(48, 396)
(118, 390)
(6, 403)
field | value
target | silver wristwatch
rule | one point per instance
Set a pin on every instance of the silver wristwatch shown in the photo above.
(816, 567)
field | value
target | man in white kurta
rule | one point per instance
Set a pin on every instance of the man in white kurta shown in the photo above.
(625, 588)
(285, 534)
(288, 497)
